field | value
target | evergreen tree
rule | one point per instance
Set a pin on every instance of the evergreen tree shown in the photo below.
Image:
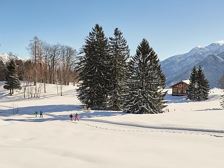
(2, 71)
(198, 89)
(203, 86)
(145, 87)
(95, 70)
(221, 82)
(192, 89)
(119, 54)
(162, 78)
(222, 101)
(12, 80)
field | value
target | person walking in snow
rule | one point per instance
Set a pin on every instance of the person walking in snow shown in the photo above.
(71, 117)
(36, 113)
(76, 117)
(41, 114)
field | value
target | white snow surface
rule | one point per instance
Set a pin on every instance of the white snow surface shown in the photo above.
(104, 139)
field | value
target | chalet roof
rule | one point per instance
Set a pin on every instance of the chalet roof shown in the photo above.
(186, 81)
(183, 81)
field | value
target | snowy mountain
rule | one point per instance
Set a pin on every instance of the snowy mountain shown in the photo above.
(4, 57)
(210, 57)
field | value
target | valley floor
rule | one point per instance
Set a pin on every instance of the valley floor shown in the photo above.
(189, 134)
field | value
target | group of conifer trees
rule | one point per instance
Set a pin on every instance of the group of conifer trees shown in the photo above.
(110, 79)
(198, 89)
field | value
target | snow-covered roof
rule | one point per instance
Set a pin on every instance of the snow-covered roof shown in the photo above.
(187, 81)
(184, 81)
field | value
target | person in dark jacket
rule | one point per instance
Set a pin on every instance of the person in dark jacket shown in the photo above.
(71, 117)
(41, 114)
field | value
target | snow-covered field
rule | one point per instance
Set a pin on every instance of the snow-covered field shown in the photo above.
(188, 135)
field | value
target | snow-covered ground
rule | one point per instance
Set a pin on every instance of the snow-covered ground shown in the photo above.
(187, 135)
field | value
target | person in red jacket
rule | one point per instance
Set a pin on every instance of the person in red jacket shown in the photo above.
(76, 117)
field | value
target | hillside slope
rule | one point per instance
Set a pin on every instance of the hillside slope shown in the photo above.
(178, 67)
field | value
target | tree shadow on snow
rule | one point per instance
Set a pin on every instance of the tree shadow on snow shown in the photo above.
(169, 98)
(52, 113)
(44, 108)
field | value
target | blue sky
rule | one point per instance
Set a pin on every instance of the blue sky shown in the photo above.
(171, 26)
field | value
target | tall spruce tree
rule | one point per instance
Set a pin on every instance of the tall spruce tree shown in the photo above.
(119, 54)
(145, 87)
(12, 80)
(199, 88)
(192, 89)
(95, 70)
(203, 86)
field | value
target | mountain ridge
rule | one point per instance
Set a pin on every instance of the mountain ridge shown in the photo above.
(210, 57)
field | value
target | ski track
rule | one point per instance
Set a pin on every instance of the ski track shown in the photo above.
(147, 128)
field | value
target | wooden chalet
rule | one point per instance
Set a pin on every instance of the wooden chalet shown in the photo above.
(180, 88)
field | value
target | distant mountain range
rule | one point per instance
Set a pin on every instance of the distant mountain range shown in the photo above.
(211, 58)
(4, 57)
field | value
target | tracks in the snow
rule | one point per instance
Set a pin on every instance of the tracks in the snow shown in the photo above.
(196, 131)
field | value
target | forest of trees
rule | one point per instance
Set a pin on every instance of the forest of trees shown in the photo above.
(49, 62)
(110, 79)
(52, 64)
